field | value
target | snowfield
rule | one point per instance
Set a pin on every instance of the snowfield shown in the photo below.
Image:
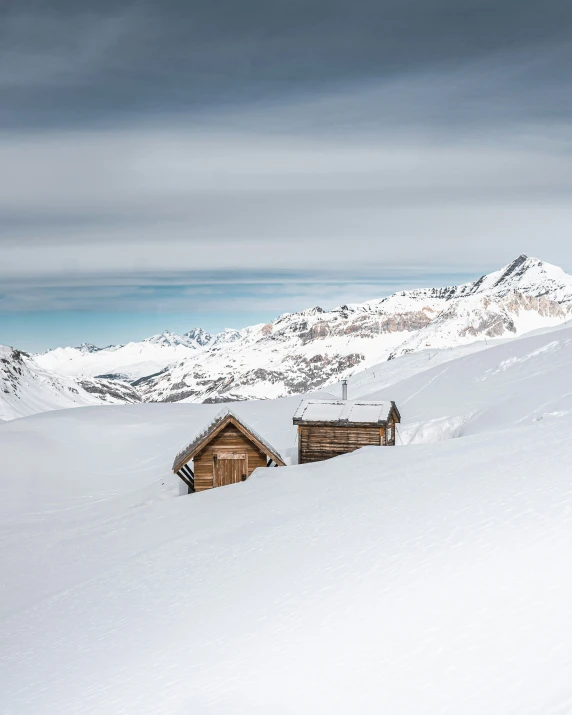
(431, 578)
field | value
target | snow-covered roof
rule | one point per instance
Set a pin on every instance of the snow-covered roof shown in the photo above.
(204, 434)
(348, 411)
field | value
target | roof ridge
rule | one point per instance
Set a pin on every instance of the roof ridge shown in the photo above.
(344, 411)
(216, 421)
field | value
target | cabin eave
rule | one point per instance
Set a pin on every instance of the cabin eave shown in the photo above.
(339, 423)
(229, 419)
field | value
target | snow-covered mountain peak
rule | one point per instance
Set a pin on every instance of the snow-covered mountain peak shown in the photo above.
(528, 276)
(313, 348)
(197, 336)
(514, 271)
(168, 339)
(88, 348)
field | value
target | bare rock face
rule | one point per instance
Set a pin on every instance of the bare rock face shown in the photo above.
(542, 305)
(480, 316)
(114, 389)
(11, 369)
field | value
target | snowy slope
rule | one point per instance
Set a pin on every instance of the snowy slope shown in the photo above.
(27, 389)
(515, 383)
(438, 583)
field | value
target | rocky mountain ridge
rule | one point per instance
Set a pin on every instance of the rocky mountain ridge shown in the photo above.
(313, 348)
(308, 350)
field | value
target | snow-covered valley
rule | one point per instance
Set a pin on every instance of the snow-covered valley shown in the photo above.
(430, 578)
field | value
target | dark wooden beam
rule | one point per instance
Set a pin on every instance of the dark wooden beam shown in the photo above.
(190, 481)
(184, 477)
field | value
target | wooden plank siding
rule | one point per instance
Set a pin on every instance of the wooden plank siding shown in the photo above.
(229, 439)
(316, 443)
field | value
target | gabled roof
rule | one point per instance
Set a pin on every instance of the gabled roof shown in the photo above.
(213, 428)
(346, 412)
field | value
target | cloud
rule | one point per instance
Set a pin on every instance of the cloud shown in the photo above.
(208, 291)
(292, 140)
(92, 63)
(194, 200)
(44, 48)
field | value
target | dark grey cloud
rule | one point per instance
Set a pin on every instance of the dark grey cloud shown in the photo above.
(108, 62)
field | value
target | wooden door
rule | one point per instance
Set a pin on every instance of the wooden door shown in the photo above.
(229, 468)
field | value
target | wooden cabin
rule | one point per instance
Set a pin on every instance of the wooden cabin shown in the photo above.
(226, 452)
(327, 428)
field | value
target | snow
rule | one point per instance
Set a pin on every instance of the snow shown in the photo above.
(343, 411)
(430, 578)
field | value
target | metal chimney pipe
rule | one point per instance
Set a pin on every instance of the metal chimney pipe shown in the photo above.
(344, 389)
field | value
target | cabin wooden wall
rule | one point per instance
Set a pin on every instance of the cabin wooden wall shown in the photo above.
(229, 438)
(316, 443)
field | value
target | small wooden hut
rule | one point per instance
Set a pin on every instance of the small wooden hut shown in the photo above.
(226, 452)
(327, 428)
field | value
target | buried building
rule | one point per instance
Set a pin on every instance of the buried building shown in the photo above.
(226, 452)
(328, 428)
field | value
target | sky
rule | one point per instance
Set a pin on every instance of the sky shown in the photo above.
(213, 163)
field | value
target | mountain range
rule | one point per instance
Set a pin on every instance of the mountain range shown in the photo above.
(296, 353)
